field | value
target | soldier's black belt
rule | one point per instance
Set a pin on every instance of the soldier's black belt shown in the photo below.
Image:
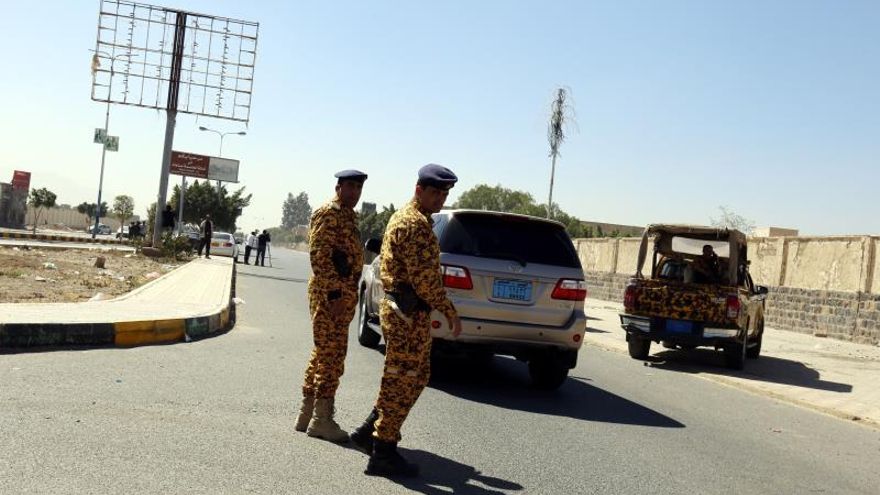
(407, 300)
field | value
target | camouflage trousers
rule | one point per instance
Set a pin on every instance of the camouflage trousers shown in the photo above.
(407, 368)
(330, 345)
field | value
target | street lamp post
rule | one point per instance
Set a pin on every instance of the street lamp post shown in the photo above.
(220, 155)
(106, 128)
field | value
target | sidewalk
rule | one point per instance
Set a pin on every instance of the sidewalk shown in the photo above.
(190, 302)
(831, 376)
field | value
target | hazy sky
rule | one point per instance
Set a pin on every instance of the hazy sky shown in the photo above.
(770, 108)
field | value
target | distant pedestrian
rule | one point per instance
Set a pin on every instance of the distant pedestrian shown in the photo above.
(249, 242)
(262, 242)
(206, 232)
(167, 219)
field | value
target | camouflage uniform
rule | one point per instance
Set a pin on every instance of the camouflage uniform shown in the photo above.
(337, 260)
(410, 255)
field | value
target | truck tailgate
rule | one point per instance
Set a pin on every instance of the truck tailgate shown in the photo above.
(693, 302)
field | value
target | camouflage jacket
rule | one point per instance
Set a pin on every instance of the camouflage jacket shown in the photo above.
(335, 250)
(411, 254)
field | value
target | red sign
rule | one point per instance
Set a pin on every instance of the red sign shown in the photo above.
(189, 164)
(21, 180)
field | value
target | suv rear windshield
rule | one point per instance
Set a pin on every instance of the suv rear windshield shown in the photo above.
(509, 237)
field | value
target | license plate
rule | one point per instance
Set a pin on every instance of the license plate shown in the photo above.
(215, 244)
(515, 290)
(678, 326)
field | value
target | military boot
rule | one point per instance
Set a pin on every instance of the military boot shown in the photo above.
(386, 461)
(362, 436)
(305, 413)
(323, 425)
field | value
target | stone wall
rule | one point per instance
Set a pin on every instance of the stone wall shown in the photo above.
(827, 286)
(606, 286)
(842, 315)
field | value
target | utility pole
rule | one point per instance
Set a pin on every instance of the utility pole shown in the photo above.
(559, 111)
(95, 64)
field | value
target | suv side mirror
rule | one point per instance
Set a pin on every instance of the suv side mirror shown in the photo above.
(761, 290)
(373, 245)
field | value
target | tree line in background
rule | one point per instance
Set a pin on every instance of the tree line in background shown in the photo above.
(296, 212)
(200, 199)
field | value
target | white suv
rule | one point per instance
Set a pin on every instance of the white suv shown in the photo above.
(516, 282)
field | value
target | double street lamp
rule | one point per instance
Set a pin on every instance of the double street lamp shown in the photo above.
(220, 153)
(222, 135)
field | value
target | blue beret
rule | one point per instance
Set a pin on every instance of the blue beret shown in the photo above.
(437, 175)
(355, 175)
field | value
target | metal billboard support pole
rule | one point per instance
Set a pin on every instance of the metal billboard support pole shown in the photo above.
(103, 157)
(180, 203)
(173, 90)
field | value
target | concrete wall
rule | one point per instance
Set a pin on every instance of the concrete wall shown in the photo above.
(828, 286)
(71, 218)
(599, 255)
(825, 264)
(767, 257)
(874, 283)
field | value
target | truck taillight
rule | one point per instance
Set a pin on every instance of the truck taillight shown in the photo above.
(733, 307)
(629, 297)
(569, 289)
(456, 277)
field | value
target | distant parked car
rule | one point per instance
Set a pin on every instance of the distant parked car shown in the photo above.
(516, 282)
(123, 232)
(191, 232)
(103, 229)
(223, 244)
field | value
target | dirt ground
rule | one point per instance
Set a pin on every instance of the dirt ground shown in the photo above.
(39, 275)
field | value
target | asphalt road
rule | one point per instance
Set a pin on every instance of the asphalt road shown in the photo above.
(216, 416)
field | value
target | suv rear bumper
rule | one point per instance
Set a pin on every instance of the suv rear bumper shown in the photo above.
(488, 332)
(656, 329)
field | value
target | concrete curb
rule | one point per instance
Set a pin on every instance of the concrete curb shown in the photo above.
(58, 237)
(15, 336)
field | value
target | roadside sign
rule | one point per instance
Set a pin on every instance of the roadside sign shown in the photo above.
(189, 164)
(21, 180)
(100, 136)
(223, 169)
(111, 143)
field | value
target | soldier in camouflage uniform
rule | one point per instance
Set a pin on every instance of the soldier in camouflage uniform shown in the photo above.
(410, 268)
(337, 260)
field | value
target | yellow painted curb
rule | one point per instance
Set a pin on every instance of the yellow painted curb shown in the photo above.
(132, 333)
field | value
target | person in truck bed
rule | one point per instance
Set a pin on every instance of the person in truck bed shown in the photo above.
(707, 268)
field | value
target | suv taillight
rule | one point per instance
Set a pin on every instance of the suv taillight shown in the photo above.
(733, 307)
(570, 290)
(629, 297)
(456, 277)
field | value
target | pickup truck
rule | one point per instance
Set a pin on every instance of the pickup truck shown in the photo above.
(698, 293)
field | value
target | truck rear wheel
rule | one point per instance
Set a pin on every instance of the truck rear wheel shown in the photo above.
(638, 348)
(735, 356)
(754, 351)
